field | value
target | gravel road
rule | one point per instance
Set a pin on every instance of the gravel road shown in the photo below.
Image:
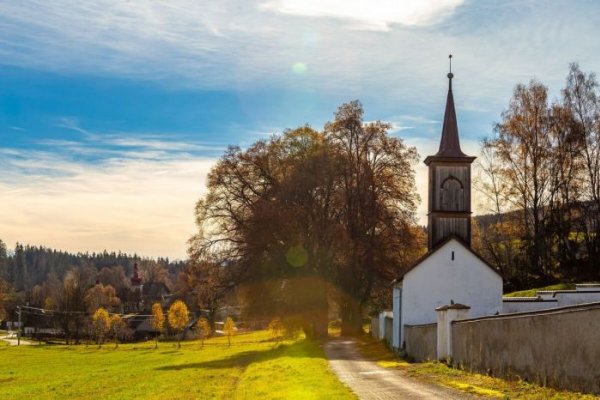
(371, 382)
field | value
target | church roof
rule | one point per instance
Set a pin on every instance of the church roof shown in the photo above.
(438, 247)
(449, 143)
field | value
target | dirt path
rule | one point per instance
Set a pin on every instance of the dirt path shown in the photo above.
(371, 382)
(12, 340)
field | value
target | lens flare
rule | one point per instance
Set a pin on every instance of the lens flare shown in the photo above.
(299, 68)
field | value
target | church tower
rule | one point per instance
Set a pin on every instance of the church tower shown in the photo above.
(449, 212)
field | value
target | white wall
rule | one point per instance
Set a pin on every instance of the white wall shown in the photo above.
(511, 306)
(396, 298)
(381, 321)
(438, 280)
(572, 298)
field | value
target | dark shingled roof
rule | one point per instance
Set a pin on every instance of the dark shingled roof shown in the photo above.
(449, 143)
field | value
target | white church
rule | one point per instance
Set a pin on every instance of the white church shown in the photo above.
(451, 278)
(451, 272)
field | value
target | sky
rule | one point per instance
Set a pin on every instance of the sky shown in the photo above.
(113, 111)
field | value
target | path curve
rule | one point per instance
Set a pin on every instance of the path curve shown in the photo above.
(371, 382)
(12, 340)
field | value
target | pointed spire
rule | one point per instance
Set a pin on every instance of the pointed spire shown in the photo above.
(450, 145)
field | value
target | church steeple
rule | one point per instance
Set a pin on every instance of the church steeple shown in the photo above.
(449, 181)
(450, 144)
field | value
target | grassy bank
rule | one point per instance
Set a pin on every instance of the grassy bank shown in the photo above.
(481, 385)
(533, 292)
(253, 367)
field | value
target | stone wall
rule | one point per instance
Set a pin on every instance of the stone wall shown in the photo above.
(421, 341)
(558, 348)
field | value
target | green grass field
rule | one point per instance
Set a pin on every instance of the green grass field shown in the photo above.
(533, 292)
(254, 367)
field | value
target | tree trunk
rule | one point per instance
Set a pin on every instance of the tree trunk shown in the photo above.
(351, 318)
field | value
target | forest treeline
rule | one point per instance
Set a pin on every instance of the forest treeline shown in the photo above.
(62, 281)
(540, 176)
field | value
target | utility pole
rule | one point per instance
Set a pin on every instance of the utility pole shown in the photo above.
(19, 327)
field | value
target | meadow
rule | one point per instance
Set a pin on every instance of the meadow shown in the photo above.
(253, 367)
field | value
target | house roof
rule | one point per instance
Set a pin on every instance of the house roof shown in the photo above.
(439, 246)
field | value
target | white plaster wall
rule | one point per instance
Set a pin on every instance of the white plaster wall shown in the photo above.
(382, 316)
(396, 298)
(439, 279)
(510, 307)
(574, 298)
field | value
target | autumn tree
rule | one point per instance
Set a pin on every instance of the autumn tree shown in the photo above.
(259, 226)
(204, 329)
(208, 281)
(158, 321)
(309, 216)
(101, 324)
(581, 97)
(155, 272)
(524, 148)
(229, 329)
(71, 301)
(100, 295)
(117, 328)
(378, 202)
(178, 317)
(540, 172)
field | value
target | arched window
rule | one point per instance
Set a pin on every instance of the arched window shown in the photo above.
(452, 195)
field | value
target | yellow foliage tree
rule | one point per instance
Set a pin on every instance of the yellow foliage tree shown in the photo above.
(178, 318)
(117, 328)
(204, 329)
(158, 321)
(229, 329)
(101, 324)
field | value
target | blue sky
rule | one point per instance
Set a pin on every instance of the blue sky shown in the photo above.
(112, 112)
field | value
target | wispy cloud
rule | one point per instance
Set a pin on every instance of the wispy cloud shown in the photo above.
(135, 205)
(367, 14)
(129, 191)
(245, 44)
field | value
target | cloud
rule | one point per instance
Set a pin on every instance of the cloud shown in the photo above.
(118, 191)
(242, 45)
(378, 16)
(134, 205)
